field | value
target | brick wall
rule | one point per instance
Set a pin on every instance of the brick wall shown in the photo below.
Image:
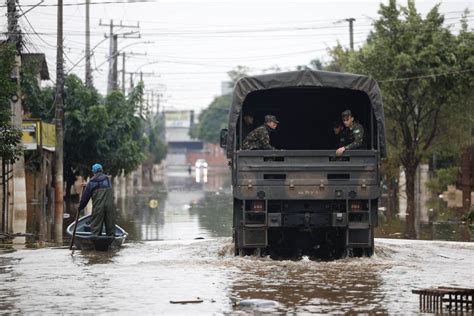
(212, 153)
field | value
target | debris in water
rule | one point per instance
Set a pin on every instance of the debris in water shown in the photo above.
(195, 301)
(258, 303)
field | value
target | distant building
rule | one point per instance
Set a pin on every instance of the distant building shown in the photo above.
(178, 125)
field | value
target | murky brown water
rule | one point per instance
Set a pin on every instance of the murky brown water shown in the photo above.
(162, 262)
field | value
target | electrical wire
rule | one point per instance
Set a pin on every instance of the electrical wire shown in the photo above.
(427, 76)
(83, 3)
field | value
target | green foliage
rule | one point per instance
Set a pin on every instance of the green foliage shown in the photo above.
(123, 145)
(425, 74)
(469, 216)
(37, 102)
(238, 72)
(96, 129)
(340, 59)
(213, 119)
(157, 149)
(422, 69)
(10, 137)
(444, 177)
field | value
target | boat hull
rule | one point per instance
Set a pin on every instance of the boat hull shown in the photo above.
(84, 240)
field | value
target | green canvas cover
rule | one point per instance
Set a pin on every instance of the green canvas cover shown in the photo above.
(306, 78)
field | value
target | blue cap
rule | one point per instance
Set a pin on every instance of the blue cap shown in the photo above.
(96, 167)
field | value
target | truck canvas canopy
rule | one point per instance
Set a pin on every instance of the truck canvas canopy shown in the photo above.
(307, 103)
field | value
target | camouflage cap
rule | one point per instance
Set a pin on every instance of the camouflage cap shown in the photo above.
(271, 118)
(346, 113)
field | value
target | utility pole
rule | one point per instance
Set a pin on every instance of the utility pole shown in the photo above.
(112, 80)
(123, 72)
(88, 78)
(59, 118)
(142, 74)
(123, 67)
(17, 222)
(114, 66)
(351, 32)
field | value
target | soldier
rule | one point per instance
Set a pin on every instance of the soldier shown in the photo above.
(355, 134)
(247, 124)
(259, 138)
(339, 134)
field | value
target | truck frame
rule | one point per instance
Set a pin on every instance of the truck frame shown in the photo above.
(302, 199)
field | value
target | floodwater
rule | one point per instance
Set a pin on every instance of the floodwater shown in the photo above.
(180, 250)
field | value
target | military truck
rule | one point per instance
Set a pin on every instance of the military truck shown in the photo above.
(302, 199)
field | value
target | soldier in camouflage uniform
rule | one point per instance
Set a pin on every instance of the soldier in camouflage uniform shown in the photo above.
(259, 138)
(339, 134)
(354, 134)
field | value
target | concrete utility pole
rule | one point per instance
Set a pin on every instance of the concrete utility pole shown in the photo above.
(123, 66)
(123, 72)
(114, 66)
(351, 31)
(112, 80)
(59, 118)
(17, 222)
(142, 74)
(88, 79)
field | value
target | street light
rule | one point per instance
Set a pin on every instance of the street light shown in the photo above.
(135, 43)
(146, 64)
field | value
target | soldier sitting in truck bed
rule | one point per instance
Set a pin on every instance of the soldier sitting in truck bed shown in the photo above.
(259, 138)
(354, 134)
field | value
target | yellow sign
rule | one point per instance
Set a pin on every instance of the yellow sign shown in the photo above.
(30, 135)
(36, 132)
(153, 203)
(48, 136)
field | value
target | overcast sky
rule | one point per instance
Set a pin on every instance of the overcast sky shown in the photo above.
(190, 45)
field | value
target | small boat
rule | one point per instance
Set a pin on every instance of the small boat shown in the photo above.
(85, 241)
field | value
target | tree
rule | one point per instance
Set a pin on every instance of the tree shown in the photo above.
(314, 64)
(238, 72)
(423, 72)
(213, 119)
(156, 149)
(97, 129)
(10, 136)
(123, 147)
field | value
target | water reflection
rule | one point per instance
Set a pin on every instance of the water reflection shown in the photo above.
(201, 175)
(350, 285)
(94, 257)
(186, 206)
(449, 230)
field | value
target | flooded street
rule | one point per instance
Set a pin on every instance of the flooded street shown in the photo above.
(179, 249)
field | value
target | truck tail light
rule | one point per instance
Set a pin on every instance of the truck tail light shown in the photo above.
(356, 205)
(258, 206)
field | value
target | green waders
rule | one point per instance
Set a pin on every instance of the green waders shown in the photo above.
(103, 212)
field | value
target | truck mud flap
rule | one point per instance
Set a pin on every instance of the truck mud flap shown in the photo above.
(252, 237)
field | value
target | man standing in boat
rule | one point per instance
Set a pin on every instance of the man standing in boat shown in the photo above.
(103, 209)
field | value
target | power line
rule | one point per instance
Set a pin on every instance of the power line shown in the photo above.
(83, 3)
(427, 76)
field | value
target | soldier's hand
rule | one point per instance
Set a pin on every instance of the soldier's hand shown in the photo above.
(340, 151)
